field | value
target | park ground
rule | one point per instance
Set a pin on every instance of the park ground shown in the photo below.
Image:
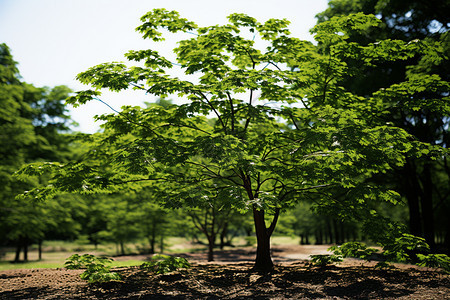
(229, 278)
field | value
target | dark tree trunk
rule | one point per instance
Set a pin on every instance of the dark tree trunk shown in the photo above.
(153, 238)
(18, 249)
(122, 248)
(211, 244)
(329, 231)
(319, 237)
(25, 251)
(40, 250)
(447, 237)
(263, 262)
(161, 244)
(337, 237)
(412, 195)
(152, 245)
(223, 234)
(427, 206)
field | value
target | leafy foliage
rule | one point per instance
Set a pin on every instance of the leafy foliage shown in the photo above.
(76, 261)
(435, 261)
(262, 129)
(162, 264)
(404, 247)
(96, 271)
(400, 251)
(353, 249)
(33, 122)
(412, 86)
(322, 260)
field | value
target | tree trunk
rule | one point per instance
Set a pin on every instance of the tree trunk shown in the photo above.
(447, 237)
(211, 244)
(25, 251)
(412, 196)
(18, 249)
(263, 262)
(152, 244)
(122, 248)
(329, 231)
(40, 250)
(223, 234)
(337, 236)
(319, 237)
(161, 244)
(427, 206)
(153, 237)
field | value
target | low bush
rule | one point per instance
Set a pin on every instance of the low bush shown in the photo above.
(96, 270)
(162, 264)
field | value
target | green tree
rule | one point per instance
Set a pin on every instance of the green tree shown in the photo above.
(423, 182)
(31, 124)
(282, 130)
(122, 221)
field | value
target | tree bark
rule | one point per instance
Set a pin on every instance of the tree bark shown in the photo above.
(223, 234)
(329, 231)
(337, 236)
(161, 244)
(25, 251)
(319, 236)
(427, 206)
(18, 249)
(263, 262)
(211, 244)
(412, 196)
(40, 250)
(122, 248)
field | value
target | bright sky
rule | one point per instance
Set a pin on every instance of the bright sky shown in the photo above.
(53, 40)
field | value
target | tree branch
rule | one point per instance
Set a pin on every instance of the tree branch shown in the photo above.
(274, 222)
(232, 111)
(215, 111)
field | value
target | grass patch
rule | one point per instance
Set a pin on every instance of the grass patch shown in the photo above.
(5, 265)
(285, 240)
(126, 263)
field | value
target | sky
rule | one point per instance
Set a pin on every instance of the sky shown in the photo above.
(54, 40)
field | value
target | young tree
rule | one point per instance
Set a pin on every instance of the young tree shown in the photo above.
(281, 129)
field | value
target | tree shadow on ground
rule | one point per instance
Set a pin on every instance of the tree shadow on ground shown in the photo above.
(236, 281)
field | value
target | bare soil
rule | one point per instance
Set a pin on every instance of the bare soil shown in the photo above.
(229, 278)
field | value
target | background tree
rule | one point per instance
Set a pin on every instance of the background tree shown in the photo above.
(32, 122)
(422, 182)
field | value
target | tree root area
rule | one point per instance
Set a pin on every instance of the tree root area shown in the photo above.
(232, 281)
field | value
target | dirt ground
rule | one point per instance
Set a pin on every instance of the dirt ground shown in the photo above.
(229, 278)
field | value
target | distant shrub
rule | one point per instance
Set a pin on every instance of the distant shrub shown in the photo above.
(322, 260)
(162, 264)
(353, 249)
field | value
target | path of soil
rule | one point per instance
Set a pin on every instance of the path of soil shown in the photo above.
(229, 278)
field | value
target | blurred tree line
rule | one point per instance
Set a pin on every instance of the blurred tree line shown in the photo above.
(34, 126)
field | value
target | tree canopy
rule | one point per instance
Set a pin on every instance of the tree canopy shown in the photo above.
(32, 125)
(263, 128)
